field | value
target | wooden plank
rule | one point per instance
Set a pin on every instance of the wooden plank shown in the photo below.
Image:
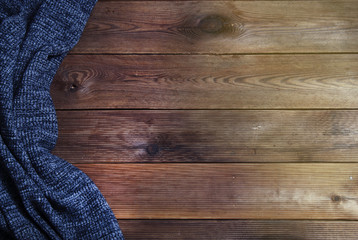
(217, 0)
(207, 82)
(226, 0)
(228, 191)
(208, 136)
(221, 27)
(238, 229)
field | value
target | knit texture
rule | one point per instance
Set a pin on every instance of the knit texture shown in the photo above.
(41, 195)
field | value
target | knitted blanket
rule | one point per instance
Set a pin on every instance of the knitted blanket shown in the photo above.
(41, 195)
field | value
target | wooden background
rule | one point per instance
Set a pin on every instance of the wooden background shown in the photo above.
(217, 119)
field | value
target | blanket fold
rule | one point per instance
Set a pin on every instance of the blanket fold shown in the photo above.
(41, 195)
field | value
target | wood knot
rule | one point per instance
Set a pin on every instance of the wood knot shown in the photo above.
(336, 198)
(74, 83)
(152, 149)
(211, 24)
(73, 87)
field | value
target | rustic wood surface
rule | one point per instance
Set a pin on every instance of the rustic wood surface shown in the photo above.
(228, 191)
(238, 229)
(208, 136)
(207, 82)
(217, 119)
(221, 27)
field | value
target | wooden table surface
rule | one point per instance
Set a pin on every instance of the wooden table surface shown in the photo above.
(217, 119)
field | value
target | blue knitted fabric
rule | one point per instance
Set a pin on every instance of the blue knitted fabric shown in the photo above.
(41, 195)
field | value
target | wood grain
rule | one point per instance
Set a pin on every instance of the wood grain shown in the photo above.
(217, 0)
(238, 229)
(262, 140)
(221, 27)
(208, 136)
(207, 82)
(228, 191)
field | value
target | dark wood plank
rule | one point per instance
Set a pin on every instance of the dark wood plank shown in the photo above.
(238, 229)
(208, 136)
(231, 0)
(217, 0)
(228, 191)
(209, 82)
(221, 27)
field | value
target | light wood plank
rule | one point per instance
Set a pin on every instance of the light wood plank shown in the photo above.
(238, 229)
(228, 191)
(209, 82)
(221, 27)
(208, 136)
